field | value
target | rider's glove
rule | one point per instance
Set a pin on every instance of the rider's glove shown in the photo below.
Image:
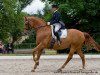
(48, 23)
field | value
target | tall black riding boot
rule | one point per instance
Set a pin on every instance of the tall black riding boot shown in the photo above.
(58, 38)
(52, 43)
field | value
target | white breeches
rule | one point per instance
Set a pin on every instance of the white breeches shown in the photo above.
(57, 27)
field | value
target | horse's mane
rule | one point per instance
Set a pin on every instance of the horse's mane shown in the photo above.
(38, 19)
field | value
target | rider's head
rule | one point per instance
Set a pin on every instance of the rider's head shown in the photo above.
(54, 7)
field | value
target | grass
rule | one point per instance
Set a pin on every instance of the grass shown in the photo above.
(15, 54)
(47, 52)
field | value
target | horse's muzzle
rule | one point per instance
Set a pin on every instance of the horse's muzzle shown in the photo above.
(25, 32)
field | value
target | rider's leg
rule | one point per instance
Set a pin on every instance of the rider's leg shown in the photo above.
(57, 27)
(58, 37)
(52, 43)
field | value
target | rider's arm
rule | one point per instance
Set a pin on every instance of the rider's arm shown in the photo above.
(55, 18)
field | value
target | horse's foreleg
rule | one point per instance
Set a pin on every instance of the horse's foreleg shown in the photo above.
(68, 59)
(38, 51)
(34, 54)
(38, 55)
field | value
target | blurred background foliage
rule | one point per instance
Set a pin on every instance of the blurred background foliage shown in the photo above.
(11, 19)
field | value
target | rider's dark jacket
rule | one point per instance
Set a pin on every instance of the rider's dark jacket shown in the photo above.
(56, 19)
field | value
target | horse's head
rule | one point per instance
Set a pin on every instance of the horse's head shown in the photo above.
(33, 22)
(27, 25)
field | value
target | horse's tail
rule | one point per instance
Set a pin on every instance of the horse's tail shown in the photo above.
(89, 41)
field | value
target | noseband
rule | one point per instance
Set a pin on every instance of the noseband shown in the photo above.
(28, 27)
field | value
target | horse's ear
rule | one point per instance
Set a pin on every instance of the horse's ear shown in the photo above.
(25, 18)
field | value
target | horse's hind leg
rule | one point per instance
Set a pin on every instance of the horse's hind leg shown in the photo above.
(80, 53)
(68, 59)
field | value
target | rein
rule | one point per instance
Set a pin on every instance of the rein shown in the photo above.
(39, 27)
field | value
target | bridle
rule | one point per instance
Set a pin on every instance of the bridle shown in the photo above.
(28, 27)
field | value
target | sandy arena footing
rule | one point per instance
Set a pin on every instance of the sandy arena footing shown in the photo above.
(48, 66)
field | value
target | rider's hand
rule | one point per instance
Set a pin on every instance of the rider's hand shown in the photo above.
(48, 23)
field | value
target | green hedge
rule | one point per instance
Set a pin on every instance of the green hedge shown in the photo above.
(25, 46)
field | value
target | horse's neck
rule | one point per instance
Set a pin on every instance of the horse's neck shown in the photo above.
(43, 32)
(38, 23)
(41, 29)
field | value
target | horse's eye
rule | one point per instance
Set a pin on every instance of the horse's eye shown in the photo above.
(26, 22)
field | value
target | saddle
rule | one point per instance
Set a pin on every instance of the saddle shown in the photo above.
(62, 33)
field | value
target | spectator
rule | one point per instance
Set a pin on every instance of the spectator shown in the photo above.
(10, 47)
(1, 47)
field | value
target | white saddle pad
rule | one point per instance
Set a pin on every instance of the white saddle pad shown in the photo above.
(63, 31)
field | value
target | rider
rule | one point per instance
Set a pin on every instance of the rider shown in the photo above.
(56, 22)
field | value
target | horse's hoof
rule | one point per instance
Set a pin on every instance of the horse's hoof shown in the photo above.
(58, 71)
(32, 70)
(37, 63)
(82, 69)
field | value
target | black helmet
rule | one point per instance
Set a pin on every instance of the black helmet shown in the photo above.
(55, 6)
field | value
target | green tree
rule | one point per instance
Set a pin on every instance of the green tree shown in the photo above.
(11, 18)
(47, 12)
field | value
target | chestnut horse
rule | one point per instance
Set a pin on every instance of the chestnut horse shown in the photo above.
(74, 40)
